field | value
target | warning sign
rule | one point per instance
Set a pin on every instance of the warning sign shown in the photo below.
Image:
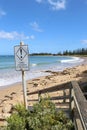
(21, 57)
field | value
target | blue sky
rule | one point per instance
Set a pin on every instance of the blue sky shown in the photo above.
(45, 25)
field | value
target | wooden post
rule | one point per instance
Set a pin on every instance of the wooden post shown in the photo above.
(72, 103)
(24, 88)
(64, 94)
(70, 99)
(39, 93)
(24, 84)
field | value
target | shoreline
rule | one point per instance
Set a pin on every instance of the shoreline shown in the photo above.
(45, 73)
(13, 94)
(39, 77)
(10, 76)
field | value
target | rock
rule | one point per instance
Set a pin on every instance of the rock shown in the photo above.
(78, 75)
(35, 84)
(65, 72)
(7, 108)
(9, 97)
(13, 93)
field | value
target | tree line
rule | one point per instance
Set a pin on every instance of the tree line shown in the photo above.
(82, 51)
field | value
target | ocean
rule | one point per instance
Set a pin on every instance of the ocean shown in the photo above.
(37, 67)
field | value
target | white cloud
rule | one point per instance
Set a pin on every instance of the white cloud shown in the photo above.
(14, 36)
(54, 4)
(58, 4)
(2, 13)
(36, 27)
(84, 41)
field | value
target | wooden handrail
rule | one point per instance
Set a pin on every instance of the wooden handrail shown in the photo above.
(80, 104)
(75, 93)
(60, 98)
(52, 89)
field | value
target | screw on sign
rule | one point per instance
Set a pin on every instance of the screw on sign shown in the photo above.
(22, 64)
(21, 57)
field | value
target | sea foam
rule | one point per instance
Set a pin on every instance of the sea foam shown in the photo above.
(73, 60)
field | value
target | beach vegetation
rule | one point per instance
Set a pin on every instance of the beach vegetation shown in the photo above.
(77, 52)
(43, 117)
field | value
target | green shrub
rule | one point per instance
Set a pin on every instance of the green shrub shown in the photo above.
(15, 122)
(43, 117)
(18, 120)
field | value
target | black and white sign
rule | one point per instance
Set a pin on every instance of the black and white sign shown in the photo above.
(21, 57)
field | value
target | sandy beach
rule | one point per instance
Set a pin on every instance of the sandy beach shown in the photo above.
(13, 94)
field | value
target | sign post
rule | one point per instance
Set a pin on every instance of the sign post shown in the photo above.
(22, 64)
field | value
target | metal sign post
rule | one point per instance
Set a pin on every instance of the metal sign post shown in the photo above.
(22, 64)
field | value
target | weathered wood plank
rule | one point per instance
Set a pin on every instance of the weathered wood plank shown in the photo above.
(58, 109)
(52, 89)
(77, 121)
(32, 100)
(54, 98)
(60, 97)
